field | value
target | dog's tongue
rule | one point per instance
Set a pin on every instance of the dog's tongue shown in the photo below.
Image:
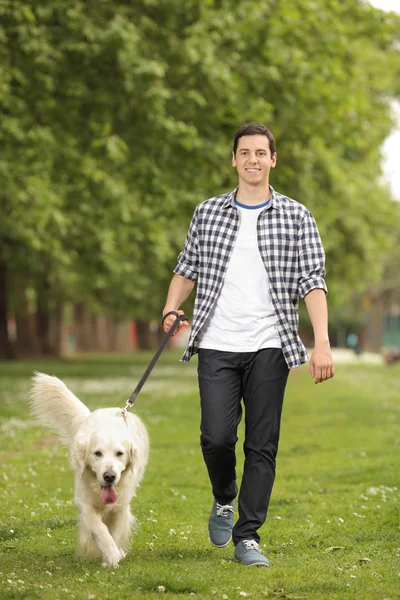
(108, 495)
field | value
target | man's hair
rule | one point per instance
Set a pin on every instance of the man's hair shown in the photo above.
(254, 129)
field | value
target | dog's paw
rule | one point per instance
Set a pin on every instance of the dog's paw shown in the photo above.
(112, 559)
(123, 553)
(107, 565)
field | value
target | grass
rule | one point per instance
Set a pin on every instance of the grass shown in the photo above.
(333, 525)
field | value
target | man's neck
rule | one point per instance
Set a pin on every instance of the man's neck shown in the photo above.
(253, 195)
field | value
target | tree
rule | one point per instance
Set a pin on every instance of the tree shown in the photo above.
(118, 119)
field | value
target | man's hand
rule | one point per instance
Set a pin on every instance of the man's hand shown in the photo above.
(170, 320)
(321, 363)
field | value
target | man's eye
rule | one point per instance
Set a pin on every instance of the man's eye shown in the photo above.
(98, 453)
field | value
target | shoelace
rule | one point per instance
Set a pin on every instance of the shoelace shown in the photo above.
(223, 510)
(251, 545)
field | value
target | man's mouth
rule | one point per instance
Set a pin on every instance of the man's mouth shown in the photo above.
(108, 494)
(253, 170)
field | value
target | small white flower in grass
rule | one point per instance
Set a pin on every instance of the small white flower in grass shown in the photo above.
(49, 574)
(242, 594)
(161, 588)
(341, 520)
(172, 532)
(225, 597)
(11, 530)
(359, 516)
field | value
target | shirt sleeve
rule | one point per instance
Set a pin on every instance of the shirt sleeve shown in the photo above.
(311, 258)
(188, 259)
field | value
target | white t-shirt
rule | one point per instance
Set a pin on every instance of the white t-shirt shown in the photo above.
(243, 318)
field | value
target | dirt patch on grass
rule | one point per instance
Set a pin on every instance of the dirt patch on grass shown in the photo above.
(43, 443)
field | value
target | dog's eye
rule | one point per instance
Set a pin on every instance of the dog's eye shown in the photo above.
(119, 453)
(98, 453)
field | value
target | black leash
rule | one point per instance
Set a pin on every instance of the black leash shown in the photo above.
(135, 393)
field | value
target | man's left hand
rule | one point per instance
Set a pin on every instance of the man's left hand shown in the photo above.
(321, 363)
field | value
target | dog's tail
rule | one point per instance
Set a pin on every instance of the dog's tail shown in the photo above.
(55, 406)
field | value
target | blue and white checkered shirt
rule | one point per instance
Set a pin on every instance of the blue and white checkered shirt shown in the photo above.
(290, 247)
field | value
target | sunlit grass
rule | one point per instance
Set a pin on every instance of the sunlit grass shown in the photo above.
(333, 526)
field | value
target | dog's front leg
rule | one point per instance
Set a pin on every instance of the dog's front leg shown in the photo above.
(92, 526)
(120, 523)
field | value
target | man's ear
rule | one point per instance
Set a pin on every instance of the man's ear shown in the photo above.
(79, 457)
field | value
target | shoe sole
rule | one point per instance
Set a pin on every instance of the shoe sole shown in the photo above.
(260, 564)
(222, 545)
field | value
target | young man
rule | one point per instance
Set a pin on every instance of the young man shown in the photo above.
(253, 253)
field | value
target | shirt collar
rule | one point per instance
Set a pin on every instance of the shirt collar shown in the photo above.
(230, 199)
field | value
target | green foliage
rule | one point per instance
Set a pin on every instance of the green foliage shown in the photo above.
(332, 529)
(118, 118)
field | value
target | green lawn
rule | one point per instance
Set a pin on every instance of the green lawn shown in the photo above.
(333, 526)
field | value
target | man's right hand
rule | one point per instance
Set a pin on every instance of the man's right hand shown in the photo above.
(170, 320)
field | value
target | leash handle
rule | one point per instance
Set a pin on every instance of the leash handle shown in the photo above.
(179, 319)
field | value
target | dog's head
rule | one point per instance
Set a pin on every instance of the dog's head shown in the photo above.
(107, 453)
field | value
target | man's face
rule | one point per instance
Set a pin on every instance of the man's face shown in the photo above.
(253, 160)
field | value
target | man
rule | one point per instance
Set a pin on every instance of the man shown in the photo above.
(253, 253)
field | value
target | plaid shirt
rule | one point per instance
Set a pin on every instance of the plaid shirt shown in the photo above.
(289, 245)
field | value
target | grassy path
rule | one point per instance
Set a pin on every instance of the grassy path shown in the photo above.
(333, 527)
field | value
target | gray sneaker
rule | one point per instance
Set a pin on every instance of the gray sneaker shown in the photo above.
(248, 553)
(220, 523)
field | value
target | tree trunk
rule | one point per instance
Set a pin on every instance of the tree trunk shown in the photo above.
(145, 338)
(27, 343)
(56, 329)
(43, 317)
(79, 328)
(5, 345)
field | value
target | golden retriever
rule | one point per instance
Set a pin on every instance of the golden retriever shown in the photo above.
(109, 452)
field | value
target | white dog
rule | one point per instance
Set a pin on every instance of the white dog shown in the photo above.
(109, 453)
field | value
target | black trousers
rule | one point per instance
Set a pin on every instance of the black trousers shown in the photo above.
(225, 378)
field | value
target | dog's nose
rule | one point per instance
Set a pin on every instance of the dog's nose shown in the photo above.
(109, 477)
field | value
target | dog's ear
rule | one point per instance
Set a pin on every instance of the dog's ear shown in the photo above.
(132, 452)
(79, 457)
